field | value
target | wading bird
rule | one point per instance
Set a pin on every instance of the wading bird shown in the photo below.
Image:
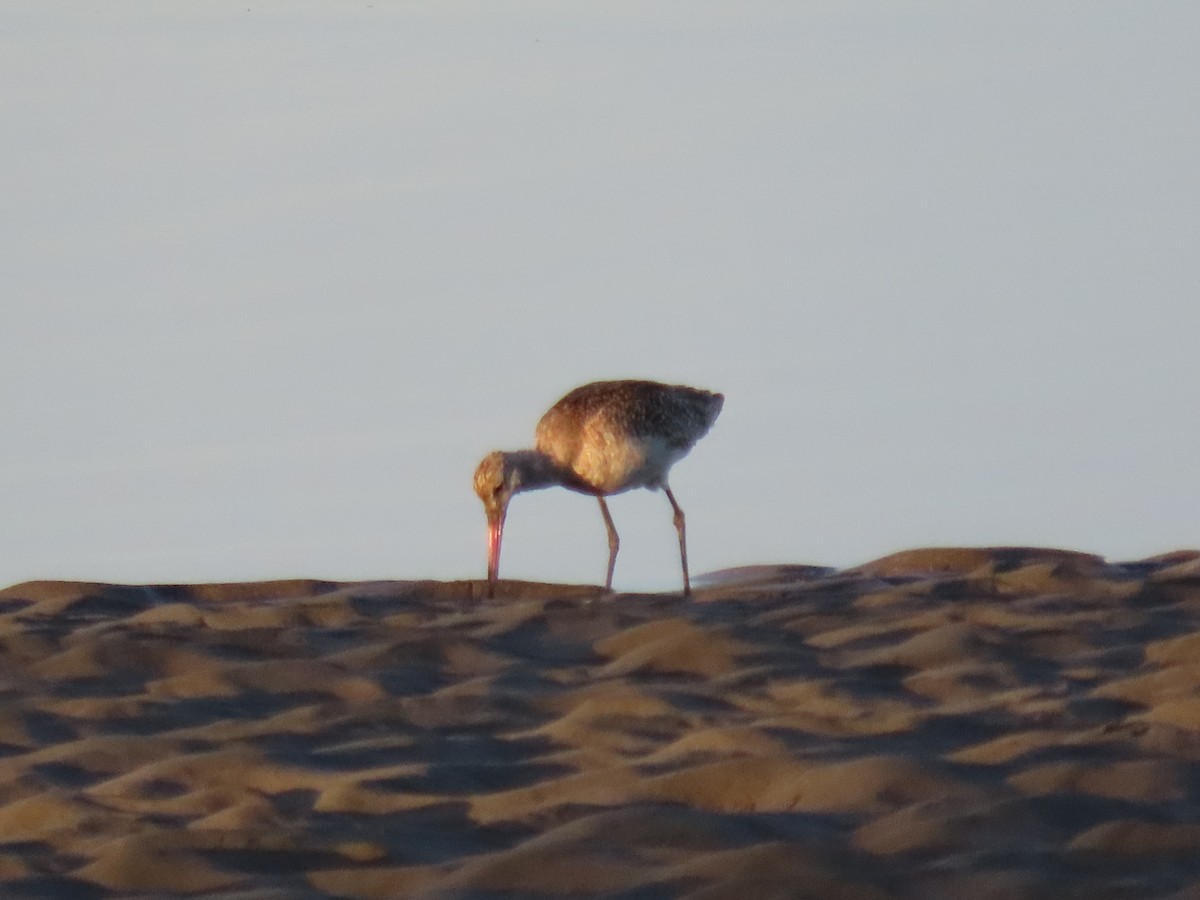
(600, 439)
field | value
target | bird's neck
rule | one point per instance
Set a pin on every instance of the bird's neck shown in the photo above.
(534, 470)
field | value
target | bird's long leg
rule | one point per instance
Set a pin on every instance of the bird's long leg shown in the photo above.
(614, 543)
(679, 526)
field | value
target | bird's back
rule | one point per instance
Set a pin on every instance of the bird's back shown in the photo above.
(617, 435)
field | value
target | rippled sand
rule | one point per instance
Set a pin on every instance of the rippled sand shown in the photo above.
(941, 723)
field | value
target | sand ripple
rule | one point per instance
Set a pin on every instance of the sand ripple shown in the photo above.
(940, 723)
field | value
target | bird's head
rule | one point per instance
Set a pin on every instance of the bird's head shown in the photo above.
(496, 480)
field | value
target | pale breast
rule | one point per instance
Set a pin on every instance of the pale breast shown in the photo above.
(613, 466)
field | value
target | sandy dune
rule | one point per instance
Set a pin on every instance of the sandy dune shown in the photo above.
(943, 723)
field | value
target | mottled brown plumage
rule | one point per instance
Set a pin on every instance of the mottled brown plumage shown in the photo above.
(601, 439)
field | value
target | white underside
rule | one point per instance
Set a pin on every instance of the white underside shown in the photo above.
(622, 465)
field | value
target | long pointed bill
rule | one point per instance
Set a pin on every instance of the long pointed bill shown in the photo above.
(495, 534)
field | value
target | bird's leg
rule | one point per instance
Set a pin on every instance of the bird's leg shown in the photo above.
(679, 526)
(614, 542)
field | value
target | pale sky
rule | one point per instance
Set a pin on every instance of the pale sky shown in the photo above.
(274, 276)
